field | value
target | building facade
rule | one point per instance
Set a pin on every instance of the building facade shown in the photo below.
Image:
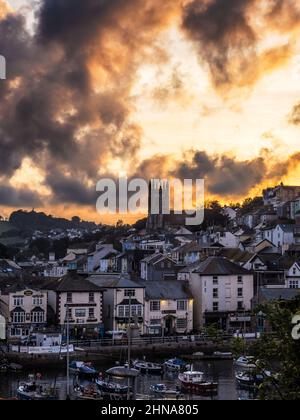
(25, 310)
(222, 293)
(124, 302)
(79, 303)
(168, 308)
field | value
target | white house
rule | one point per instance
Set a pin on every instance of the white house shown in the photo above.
(79, 301)
(281, 235)
(221, 290)
(168, 307)
(119, 294)
(227, 239)
(25, 309)
(103, 259)
(229, 212)
(293, 276)
(187, 253)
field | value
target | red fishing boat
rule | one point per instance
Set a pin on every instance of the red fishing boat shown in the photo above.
(194, 383)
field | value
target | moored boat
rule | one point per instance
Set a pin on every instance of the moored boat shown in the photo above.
(88, 393)
(246, 362)
(83, 369)
(217, 355)
(175, 365)
(148, 367)
(33, 391)
(162, 390)
(194, 383)
(112, 390)
(251, 380)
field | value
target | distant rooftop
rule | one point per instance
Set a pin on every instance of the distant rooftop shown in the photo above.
(218, 266)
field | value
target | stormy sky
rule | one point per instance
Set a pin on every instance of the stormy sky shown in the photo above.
(195, 89)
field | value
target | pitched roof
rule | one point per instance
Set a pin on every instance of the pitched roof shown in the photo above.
(279, 294)
(189, 247)
(72, 282)
(287, 228)
(236, 254)
(113, 281)
(218, 266)
(167, 289)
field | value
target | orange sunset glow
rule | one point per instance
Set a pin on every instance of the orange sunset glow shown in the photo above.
(180, 88)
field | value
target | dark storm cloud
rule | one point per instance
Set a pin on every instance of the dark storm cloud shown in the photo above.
(67, 98)
(223, 175)
(68, 190)
(227, 32)
(14, 197)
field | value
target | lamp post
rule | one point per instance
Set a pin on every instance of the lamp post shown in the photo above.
(68, 352)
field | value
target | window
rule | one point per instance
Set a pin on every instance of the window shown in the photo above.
(240, 279)
(294, 284)
(136, 310)
(240, 305)
(18, 301)
(18, 317)
(181, 323)
(69, 313)
(155, 322)
(69, 298)
(91, 313)
(155, 306)
(91, 297)
(80, 313)
(182, 305)
(129, 293)
(37, 317)
(240, 292)
(294, 271)
(216, 293)
(37, 301)
(216, 306)
(215, 280)
(121, 311)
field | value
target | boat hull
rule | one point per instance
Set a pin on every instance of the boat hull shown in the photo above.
(204, 388)
(28, 396)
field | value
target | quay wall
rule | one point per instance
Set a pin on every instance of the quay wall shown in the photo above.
(102, 354)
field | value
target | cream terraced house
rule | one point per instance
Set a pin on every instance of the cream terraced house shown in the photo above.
(119, 294)
(168, 307)
(24, 308)
(76, 300)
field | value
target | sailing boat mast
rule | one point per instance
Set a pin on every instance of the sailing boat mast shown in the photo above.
(129, 333)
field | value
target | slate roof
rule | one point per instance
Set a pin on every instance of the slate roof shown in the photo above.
(167, 290)
(111, 281)
(236, 254)
(71, 282)
(218, 266)
(279, 294)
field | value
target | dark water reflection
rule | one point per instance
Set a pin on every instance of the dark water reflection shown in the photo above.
(221, 371)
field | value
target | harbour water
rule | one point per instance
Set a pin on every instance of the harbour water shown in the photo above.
(221, 371)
